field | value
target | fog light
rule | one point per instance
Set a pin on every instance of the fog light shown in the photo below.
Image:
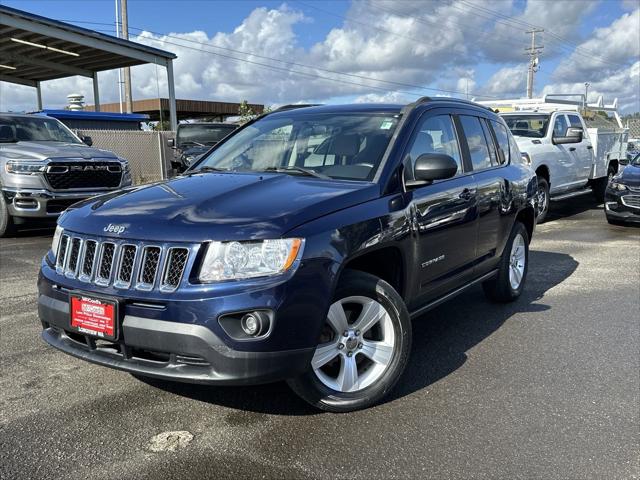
(254, 323)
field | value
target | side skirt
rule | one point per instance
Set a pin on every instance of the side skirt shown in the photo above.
(450, 295)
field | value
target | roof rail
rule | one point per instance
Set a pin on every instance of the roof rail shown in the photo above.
(293, 106)
(422, 100)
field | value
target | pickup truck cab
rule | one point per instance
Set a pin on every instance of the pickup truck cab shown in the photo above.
(194, 139)
(557, 146)
(45, 167)
(299, 248)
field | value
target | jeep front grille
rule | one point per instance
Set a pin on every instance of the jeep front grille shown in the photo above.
(122, 264)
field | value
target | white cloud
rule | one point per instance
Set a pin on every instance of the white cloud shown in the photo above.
(411, 42)
(606, 51)
(507, 82)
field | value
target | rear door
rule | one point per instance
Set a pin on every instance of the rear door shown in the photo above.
(583, 151)
(444, 214)
(563, 163)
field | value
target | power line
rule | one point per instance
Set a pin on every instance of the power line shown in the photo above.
(289, 62)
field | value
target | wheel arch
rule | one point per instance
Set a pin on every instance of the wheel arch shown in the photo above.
(543, 171)
(386, 262)
(527, 217)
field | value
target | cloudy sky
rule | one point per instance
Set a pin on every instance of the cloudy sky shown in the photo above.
(276, 52)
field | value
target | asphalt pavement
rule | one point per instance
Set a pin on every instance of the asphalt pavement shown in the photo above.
(547, 387)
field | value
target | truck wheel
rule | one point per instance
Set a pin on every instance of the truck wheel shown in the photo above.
(6, 222)
(508, 284)
(363, 348)
(543, 199)
(599, 185)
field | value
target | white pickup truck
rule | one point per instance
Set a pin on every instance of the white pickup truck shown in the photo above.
(570, 154)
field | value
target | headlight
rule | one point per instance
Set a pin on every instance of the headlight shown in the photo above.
(619, 187)
(24, 167)
(56, 241)
(526, 159)
(238, 260)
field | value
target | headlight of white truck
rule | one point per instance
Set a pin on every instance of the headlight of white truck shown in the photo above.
(240, 260)
(619, 187)
(24, 167)
(56, 241)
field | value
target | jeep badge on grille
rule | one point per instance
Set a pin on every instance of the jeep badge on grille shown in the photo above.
(114, 228)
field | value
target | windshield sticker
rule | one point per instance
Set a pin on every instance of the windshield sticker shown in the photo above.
(386, 124)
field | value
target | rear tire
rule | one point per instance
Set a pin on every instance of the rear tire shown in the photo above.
(355, 371)
(543, 200)
(599, 185)
(508, 284)
(6, 222)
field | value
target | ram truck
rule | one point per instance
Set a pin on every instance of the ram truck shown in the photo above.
(299, 248)
(45, 168)
(571, 154)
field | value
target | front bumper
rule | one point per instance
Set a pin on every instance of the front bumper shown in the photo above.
(622, 206)
(36, 203)
(179, 336)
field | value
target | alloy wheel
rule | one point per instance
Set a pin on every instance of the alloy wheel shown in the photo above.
(517, 261)
(357, 345)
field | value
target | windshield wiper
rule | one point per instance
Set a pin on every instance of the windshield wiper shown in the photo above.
(206, 169)
(191, 142)
(304, 171)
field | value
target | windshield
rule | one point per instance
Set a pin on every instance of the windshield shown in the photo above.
(527, 125)
(348, 146)
(37, 129)
(203, 134)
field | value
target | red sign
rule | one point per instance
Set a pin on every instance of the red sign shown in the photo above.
(93, 316)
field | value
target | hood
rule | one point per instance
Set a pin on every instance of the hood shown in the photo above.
(44, 150)
(630, 176)
(215, 206)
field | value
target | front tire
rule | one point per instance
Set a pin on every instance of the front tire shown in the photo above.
(508, 284)
(363, 348)
(543, 199)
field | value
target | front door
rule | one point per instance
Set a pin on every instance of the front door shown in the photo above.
(444, 214)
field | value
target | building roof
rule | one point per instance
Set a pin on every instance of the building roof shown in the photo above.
(90, 115)
(35, 49)
(185, 108)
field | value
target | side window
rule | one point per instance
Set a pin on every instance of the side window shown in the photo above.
(514, 151)
(560, 126)
(574, 121)
(490, 143)
(503, 141)
(434, 135)
(477, 144)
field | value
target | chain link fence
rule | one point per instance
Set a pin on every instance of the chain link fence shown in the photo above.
(148, 154)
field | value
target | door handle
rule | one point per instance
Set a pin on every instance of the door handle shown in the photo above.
(572, 149)
(589, 147)
(466, 194)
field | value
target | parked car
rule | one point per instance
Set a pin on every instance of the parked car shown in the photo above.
(45, 167)
(570, 154)
(622, 198)
(299, 248)
(194, 139)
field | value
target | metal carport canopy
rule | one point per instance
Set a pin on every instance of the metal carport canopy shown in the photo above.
(34, 49)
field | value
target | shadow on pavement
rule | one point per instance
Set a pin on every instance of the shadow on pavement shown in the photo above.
(441, 339)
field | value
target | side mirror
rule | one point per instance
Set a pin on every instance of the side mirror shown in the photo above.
(432, 166)
(624, 160)
(171, 142)
(573, 135)
(86, 140)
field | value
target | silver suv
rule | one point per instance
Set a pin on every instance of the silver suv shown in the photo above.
(45, 167)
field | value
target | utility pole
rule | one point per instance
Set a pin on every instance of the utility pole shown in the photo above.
(119, 70)
(127, 70)
(533, 53)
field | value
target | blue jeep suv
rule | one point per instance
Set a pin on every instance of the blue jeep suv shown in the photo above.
(298, 248)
